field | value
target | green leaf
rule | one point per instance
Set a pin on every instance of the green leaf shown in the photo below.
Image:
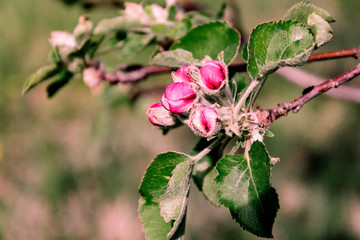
(275, 44)
(204, 171)
(153, 186)
(172, 32)
(237, 83)
(244, 52)
(174, 59)
(301, 11)
(173, 203)
(209, 188)
(244, 187)
(119, 23)
(39, 76)
(317, 19)
(61, 80)
(204, 40)
(154, 226)
(133, 44)
(171, 13)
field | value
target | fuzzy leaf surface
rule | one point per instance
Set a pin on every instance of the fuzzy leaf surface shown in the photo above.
(209, 39)
(244, 187)
(120, 23)
(154, 184)
(317, 19)
(275, 44)
(173, 203)
(39, 76)
(154, 226)
(174, 59)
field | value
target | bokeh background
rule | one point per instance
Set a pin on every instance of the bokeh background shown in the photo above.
(70, 166)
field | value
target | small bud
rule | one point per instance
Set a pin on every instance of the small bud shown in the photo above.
(62, 39)
(183, 73)
(178, 97)
(159, 14)
(204, 121)
(92, 77)
(159, 116)
(136, 12)
(213, 75)
(84, 28)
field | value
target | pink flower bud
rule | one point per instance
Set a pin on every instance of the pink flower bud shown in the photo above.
(213, 75)
(92, 76)
(204, 121)
(178, 97)
(159, 116)
(183, 73)
(62, 39)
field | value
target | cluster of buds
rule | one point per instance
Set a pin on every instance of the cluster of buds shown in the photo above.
(199, 98)
(150, 14)
(203, 99)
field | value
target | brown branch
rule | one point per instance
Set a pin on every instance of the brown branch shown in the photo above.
(133, 76)
(352, 52)
(268, 116)
(141, 73)
(305, 79)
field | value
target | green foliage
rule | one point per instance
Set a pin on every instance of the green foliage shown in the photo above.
(166, 180)
(276, 44)
(60, 81)
(237, 83)
(173, 203)
(39, 76)
(244, 187)
(204, 41)
(174, 59)
(317, 19)
(239, 182)
(153, 224)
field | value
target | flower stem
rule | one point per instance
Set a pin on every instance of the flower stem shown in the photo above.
(243, 98)
(206, 150)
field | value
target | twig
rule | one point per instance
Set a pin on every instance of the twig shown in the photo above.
(305, 79)
(266, 117)
(352, 52)
(134, 75)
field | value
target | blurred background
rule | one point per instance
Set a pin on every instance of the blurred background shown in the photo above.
(70, 166)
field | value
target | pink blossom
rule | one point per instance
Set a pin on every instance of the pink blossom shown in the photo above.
(204, 121)
(178, 97)
(159, 116)
(213, 75)
(183, 73)
(62, 39)
(92, 77)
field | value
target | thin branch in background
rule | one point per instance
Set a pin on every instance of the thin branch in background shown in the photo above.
(268, 116)
(352, 52)
(305, 79)
(133, 76)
